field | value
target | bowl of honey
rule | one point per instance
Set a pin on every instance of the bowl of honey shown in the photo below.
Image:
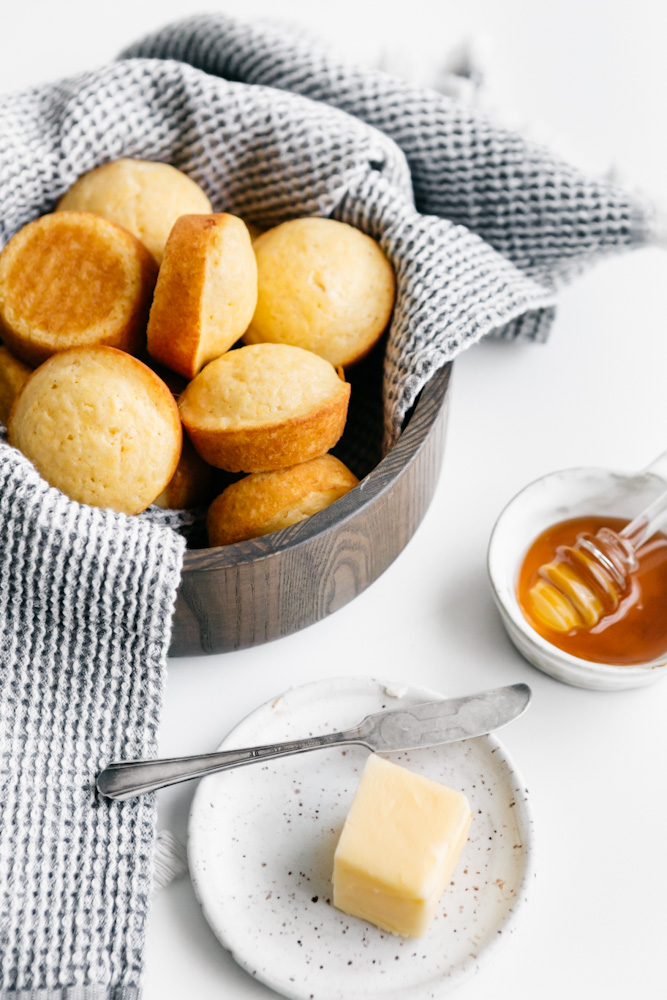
(625, 649)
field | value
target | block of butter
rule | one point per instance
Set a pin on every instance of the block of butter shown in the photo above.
(398, 848)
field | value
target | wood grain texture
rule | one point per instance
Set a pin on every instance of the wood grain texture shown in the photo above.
(258, 590)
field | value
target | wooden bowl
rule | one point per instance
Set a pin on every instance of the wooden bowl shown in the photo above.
(248, 593)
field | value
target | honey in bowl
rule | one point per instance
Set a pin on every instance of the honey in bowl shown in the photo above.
(636, 632)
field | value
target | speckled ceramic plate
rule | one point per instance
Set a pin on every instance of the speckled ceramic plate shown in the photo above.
(262, 839)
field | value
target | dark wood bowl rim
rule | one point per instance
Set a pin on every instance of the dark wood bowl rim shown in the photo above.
(372, 486)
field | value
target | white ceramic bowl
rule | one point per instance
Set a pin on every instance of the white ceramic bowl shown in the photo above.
(556, 497)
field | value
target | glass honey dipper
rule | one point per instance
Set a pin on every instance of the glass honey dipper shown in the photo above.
(588, 580)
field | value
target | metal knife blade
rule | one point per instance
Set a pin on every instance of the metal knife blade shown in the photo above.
(406, 728)
(447, 721)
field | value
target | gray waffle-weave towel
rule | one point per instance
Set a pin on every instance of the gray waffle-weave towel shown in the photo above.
(502, 222)
(86, 599)
(480, 227)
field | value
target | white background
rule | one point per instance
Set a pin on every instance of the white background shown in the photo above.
(590, 75)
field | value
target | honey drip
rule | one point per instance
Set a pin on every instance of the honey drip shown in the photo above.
(632, 628)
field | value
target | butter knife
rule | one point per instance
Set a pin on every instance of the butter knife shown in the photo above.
(407, 728)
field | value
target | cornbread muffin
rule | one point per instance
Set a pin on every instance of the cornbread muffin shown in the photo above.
(324, 286)
(191, 485)
(206, 292)
(268, 501)
(13, 374)
(264, 407)
(100, 426)
(146, 198)
(70, 279)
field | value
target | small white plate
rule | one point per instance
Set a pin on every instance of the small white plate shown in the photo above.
(262, 839)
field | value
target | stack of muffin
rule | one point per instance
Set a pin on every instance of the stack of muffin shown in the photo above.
(133, 311)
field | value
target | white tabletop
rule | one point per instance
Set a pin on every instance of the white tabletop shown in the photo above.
(594, 763)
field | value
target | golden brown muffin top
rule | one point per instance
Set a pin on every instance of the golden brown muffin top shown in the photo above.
(205, 294)
(322, 285)
(268, 501)
(260, 385)
(144, 197)
(100, 426)
(72, 278)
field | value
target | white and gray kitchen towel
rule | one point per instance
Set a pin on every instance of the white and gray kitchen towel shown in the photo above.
(481, 228)
(86, 599)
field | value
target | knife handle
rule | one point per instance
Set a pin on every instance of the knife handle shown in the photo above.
(125, 779)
